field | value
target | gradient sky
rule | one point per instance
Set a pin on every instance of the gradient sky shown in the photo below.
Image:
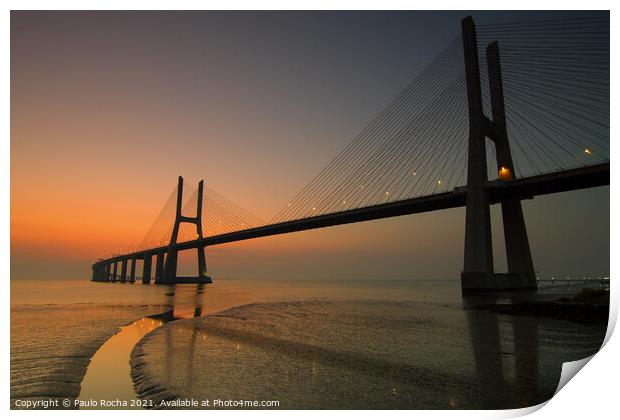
(108, 108)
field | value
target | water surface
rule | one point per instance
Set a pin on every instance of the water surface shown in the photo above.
(316, 344)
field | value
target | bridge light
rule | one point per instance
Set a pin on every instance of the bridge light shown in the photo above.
(587, 151)
(439, 182)
(387, 193)
(313, 208)
(414, 173)
(344, 201)
(504, 173)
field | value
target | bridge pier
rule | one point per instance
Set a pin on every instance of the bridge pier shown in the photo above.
(478, 260)
(518, 254)
(132, 272)
(478, 271)
(124, 270)
(169, 273)
(146, 269)
(115, 271)
(159, 266)
(202, 261)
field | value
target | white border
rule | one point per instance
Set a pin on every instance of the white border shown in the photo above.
(593, 394)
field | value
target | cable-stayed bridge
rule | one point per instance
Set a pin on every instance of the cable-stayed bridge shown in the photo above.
(505, 112)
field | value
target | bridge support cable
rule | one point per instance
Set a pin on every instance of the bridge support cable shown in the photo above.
(388, 174)
(390, 121)
(161, 228)
(157, 234)
(556, 83)
(220, 215)
(409, 150)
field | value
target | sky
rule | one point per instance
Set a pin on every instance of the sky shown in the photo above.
(109, 108)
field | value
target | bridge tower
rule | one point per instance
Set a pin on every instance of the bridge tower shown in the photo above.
(478, 271)
(168, 274)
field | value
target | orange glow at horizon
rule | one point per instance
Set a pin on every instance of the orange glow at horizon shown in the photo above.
(104, 121)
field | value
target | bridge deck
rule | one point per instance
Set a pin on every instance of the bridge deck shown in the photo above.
(522, 188)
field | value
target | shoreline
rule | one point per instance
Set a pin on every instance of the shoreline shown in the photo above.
(587, 307)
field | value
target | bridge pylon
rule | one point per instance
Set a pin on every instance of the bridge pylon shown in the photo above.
(168, 273)
(478, 271)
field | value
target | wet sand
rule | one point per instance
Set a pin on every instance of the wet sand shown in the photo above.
(361, 354)
(51, 345)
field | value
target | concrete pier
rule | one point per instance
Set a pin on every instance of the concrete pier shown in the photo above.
(478, 270)
(478, 255)
(146, 269)
(169, 273)
(124, 270)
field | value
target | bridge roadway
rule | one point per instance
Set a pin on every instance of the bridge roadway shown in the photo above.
(521, 188)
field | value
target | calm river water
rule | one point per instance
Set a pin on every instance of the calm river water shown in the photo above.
(306, 344)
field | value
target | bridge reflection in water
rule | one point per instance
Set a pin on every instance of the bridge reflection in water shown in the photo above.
(108, 376)
(496, 361)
